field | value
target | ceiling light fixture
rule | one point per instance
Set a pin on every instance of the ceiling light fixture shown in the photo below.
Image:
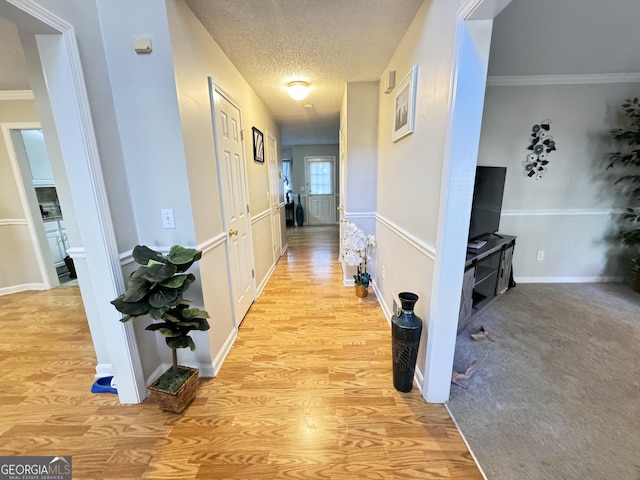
(298, 90)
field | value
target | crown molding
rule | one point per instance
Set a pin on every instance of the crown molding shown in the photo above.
(586, 79)
(16, 95)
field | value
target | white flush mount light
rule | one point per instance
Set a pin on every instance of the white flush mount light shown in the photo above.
(298, 90)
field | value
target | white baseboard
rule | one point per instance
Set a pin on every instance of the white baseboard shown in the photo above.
(25, 287)
(592, 279)
(266, 278)
(388, 313)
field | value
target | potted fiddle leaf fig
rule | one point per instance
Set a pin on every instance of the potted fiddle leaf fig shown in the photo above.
(156, 289)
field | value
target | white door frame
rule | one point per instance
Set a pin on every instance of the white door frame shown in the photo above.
(68, 114)
(466, 101)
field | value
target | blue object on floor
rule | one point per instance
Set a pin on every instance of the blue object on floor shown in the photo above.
(103, 385)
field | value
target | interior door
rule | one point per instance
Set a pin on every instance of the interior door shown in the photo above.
(321, 200)
(274, 195)
(235, 203)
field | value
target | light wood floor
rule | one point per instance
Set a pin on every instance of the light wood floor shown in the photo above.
(306, 392)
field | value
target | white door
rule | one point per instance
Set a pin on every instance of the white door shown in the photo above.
(321, 200)
(274, 195)
(235, 204)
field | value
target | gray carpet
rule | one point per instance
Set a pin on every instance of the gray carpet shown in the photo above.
(557, 394)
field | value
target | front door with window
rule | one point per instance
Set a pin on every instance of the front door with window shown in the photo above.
(321, 201)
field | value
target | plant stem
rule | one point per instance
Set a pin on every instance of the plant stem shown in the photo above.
(174, 353)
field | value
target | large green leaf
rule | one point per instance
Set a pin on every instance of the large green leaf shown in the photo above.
(155, 326)
(190, 313)
(134, 309)
(168, 332)
(158, 313)
(187, 282)
(175, 282)
(136, 290)
(189, 325)
(202, 324)
(166, 329)
(183, 341)
(142, 254)
(180, 255)
(159, 272)
(162, 297)
(195, 324)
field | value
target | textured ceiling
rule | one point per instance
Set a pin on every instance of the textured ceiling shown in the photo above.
(324, 42)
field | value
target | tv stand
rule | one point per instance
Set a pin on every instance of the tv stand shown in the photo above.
(487, 275)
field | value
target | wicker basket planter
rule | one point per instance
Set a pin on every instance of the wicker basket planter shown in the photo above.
(177, 401)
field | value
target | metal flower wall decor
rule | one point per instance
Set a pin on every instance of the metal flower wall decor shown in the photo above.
(542, 144)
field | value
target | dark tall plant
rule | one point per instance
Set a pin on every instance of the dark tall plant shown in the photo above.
(628, 140)
(156, 289)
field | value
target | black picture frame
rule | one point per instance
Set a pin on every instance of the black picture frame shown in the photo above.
(258, 145)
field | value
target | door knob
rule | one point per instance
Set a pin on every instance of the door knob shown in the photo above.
(233, 232)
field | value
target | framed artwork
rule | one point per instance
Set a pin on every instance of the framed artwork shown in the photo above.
(258, 145)
(404, 102)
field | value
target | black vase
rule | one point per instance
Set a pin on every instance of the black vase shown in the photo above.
(406, 328)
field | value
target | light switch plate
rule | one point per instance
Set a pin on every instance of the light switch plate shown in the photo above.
(168, 220)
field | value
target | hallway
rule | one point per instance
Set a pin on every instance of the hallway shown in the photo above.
(306, 391)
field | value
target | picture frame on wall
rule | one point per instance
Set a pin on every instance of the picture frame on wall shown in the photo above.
(404, 103)
(258, 145)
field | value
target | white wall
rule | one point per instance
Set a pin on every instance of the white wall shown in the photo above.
(359, 161)
(149, 129)
(570, 213)
(362, 151)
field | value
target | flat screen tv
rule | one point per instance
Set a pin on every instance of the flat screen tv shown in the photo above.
(487, 201)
